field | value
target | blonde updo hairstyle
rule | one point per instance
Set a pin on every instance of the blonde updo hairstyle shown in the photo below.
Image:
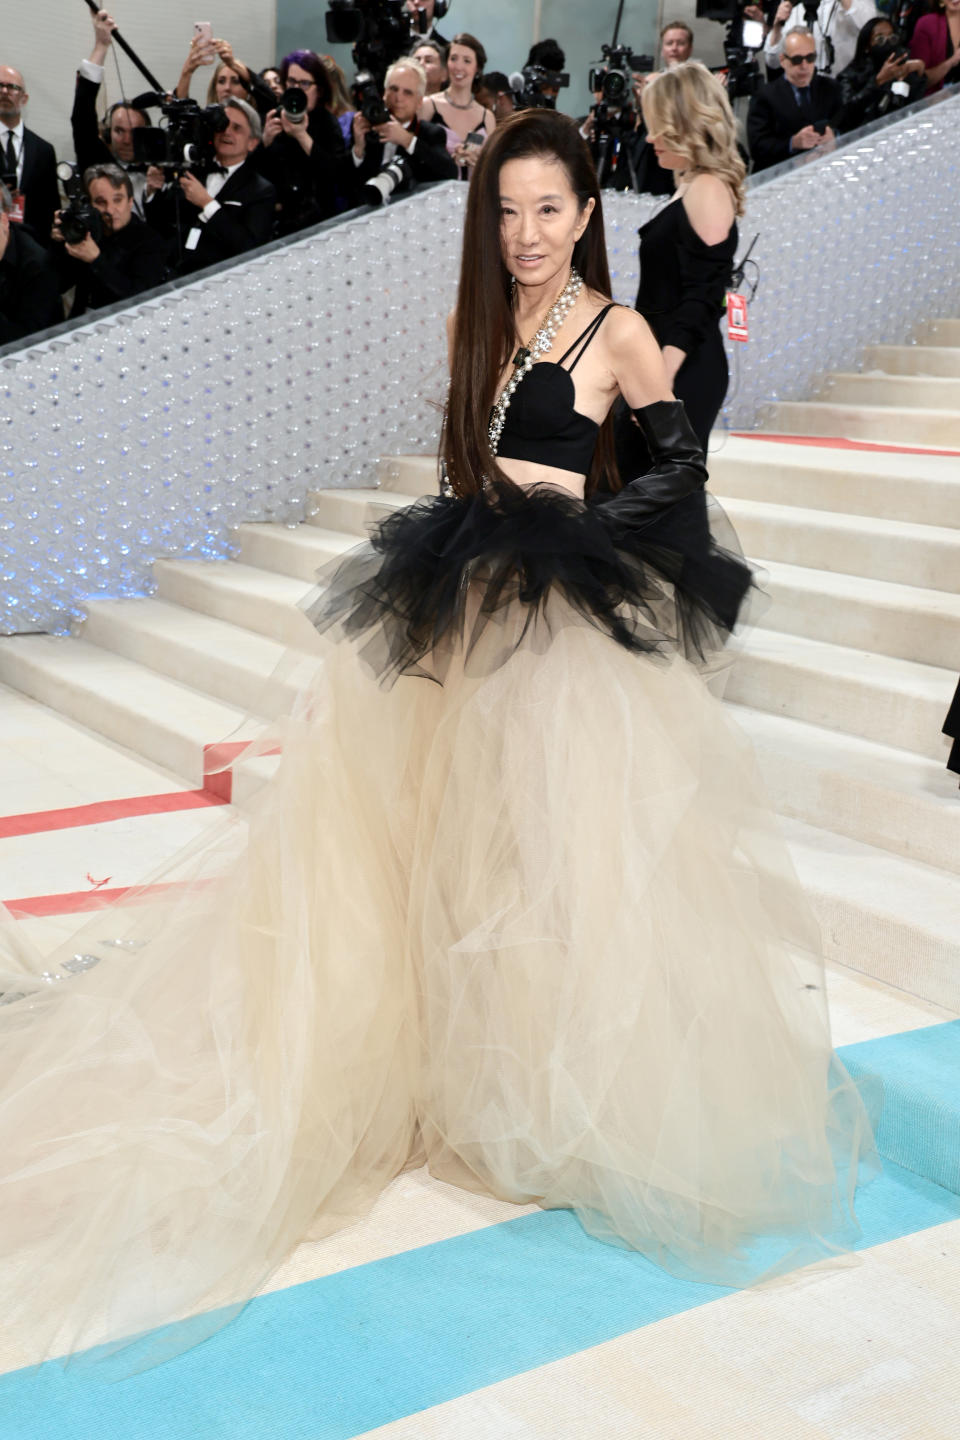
(687, 108)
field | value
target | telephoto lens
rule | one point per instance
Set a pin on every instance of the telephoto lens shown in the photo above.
(293, 103)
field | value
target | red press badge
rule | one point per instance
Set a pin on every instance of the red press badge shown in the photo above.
(737, 317)
(17, 212)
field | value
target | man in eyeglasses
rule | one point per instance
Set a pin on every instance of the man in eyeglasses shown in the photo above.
(797, 111)
(28, 165)
(835, 28)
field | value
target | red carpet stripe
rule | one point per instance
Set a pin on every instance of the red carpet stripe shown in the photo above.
(837, 442)
(73, 902)
(99, 812)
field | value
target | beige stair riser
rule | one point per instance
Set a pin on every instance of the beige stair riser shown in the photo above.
(199, 587)
(410, 474)
(885, 496)
(289, 552)
(916, 392)
(913, 360)
(930, 638)
(352, 512)
(238, 679)
(930, 560)
(931, 428)
(834, 799)
(938, 332)
(158, 735)
(837, 702)
(888, 950)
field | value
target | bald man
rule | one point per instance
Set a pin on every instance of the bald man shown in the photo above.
(28, 165)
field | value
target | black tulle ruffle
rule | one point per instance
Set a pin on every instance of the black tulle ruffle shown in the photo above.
(438, 572)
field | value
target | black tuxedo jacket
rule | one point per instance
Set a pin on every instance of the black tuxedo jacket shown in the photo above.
(430, 160)
(245, 219)
(775, 117)
(29, 293)
(131, 261)
(41, 195)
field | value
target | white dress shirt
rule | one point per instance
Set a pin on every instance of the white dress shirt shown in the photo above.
(833, 22)
(17, 133)
(213, 185)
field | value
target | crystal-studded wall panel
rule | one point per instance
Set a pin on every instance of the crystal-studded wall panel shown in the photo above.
(156, 430)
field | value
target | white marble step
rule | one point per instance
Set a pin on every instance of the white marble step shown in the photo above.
(895, 550)
(890, 701)
(899, 424)
(877, 794)
(892, 918)
(917, 392)
(889, 485)
(224, 661)
(256, 599)
(903, 621)
(168, 723)
(298, 551)
(938, 332)
(913, 359)
(353, 511)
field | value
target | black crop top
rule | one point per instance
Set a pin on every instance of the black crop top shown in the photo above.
(541, 423)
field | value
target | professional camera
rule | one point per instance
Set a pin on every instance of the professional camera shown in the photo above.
(78, 218)
(613, 76)
(539, 88)
(743, 71)
(368, 98)
(379, 188)
(186, 142)
(293, 104)
(380, 31)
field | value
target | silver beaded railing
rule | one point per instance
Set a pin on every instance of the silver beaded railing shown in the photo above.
(155, 430)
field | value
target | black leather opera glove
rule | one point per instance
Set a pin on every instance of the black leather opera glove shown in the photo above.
(678, 467)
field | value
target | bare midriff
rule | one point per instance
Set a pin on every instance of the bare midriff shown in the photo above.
(526, 473)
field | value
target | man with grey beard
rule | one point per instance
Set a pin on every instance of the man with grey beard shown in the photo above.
(28, 164)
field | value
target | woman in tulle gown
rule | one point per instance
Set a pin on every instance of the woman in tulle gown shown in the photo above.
(514, 903)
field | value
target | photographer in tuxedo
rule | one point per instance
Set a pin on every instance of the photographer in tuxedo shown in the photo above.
(229, 212)
(422, 143)
(796, 112)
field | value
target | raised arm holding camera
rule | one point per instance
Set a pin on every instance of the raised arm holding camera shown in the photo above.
(111, 143)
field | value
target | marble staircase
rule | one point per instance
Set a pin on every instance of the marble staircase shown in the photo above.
(842, 684)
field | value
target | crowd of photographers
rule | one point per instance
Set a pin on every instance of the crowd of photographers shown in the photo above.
(163, 185)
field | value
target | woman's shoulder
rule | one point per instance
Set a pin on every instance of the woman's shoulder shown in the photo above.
(623, 327)
(709, 206)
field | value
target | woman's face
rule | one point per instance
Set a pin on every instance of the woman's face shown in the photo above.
(272, 78)
(540, 220)
(880, 32)
(434, 66)
(461, 65)
(229, 83)
(296, 75)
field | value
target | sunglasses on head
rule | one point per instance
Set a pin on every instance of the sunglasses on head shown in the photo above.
(801, 59)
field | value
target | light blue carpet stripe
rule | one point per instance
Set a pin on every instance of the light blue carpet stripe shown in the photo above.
(920, 1123)
(334, 1358)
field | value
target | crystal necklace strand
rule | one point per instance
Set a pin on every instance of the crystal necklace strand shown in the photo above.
(525, 358)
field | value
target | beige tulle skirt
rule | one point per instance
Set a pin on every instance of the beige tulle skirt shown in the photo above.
(534, 925)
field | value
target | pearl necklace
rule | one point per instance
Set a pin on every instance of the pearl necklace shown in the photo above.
(526, 356)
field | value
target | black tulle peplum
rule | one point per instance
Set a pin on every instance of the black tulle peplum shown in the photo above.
(438, 572)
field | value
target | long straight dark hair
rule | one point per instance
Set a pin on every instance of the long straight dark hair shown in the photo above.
(485, 331)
